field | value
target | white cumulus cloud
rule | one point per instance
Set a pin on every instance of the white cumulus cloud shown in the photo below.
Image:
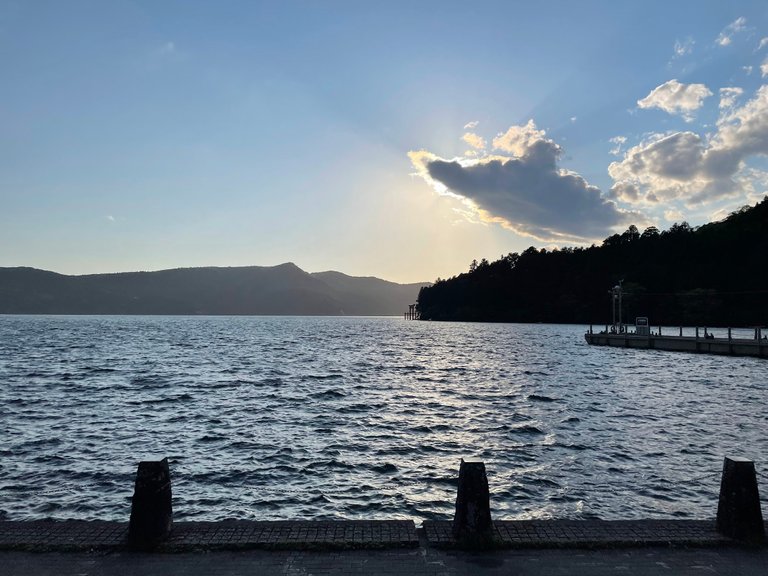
(698, 169)
(676, 98)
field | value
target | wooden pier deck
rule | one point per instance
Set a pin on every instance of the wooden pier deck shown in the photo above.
(757, 347)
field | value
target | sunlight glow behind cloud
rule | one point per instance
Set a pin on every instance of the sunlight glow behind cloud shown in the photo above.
(524, 189)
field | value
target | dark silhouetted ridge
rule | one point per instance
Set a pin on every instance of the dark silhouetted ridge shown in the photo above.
(713, 275)
(252, 290)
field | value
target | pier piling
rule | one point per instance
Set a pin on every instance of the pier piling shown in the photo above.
(151, 510)
(472, 520)
(738, 511)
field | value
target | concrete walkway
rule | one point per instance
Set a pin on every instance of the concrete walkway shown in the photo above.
(589, 533)
(73, 535)
(378, 547)
(237, 535)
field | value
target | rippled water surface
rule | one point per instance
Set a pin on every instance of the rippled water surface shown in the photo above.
(288, 418)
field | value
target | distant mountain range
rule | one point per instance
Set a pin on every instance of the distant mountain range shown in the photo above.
(252, 290)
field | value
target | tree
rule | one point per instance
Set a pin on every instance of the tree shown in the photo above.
(614, 240)
(650, 232)
(630, 235)
(675, 229)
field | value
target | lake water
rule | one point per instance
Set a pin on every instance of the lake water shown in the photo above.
(329, 418)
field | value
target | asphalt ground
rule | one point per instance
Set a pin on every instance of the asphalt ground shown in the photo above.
(420, 561)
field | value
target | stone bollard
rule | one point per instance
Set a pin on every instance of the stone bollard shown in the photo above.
(151, 511)
(738, 510)
(472, 520)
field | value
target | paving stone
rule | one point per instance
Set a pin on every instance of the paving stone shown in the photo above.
(303, 535)
(75, 535)
(588, 533)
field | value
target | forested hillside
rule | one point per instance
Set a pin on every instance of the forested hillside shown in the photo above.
(715, 275)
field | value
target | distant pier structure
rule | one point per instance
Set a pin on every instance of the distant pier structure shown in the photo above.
(413, 312)
(642, 336)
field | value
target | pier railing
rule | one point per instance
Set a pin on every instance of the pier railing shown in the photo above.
(702, 332)
(698, 339)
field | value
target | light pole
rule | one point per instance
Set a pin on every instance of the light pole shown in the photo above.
(616, 299)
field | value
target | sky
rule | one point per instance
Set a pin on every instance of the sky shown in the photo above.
(392, 139)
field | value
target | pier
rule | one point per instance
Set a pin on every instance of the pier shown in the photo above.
(728, 341)
(702, 341)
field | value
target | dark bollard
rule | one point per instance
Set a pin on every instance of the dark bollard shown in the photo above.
(151, 512)
(472, 520)
(738, 511)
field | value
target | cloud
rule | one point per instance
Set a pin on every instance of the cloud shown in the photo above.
(477, 142)
(524, 189)
(719, 214)
(673, 215)
(626, 192)
(728, 96)
(698, 169)
(747, 70)
(684, 47)
(110, 218)
(763, 43)
(676, 98)
(726, 36)
(619, 142)
(471, 125)
(520, 140)
(764, 68)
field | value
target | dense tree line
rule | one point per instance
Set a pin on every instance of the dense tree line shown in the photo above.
(714, 275)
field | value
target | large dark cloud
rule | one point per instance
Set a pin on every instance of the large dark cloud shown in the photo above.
(527, 192)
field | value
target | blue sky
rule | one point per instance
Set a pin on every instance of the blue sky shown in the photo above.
(397, 139)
